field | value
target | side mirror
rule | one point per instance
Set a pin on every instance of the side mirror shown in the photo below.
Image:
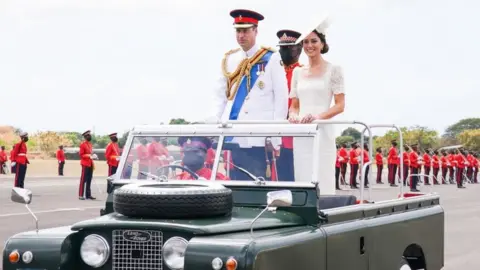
(24, 196)
(279, 198)
(274, 199)
(21, 195)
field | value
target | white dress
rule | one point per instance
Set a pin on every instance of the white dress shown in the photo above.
(315, 95)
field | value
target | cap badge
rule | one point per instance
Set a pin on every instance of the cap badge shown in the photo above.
(240, 18)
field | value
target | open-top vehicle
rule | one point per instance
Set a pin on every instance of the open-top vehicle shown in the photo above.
(161, 222)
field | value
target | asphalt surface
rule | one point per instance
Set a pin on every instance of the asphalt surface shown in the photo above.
(55, 202)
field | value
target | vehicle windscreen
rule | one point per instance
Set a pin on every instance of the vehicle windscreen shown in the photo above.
(241, 158)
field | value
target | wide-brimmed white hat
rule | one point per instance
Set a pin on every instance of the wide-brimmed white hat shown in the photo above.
(320, 24)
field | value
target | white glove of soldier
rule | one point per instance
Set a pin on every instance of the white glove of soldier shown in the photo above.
(93, 156)
(117, 158)
(14, 163)
(162, 157)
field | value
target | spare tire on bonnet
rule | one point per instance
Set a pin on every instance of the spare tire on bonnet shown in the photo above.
(173, 200)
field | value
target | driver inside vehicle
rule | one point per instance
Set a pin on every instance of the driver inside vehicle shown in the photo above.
(195, 151)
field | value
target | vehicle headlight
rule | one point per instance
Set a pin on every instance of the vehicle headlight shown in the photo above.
(174, 252)
(95, 250)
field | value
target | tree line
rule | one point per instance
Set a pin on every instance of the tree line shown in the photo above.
(465, 132)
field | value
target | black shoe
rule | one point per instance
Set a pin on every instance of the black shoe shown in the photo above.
(91, 198)
(81, 198)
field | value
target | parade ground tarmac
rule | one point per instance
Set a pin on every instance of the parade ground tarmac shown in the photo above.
(55, 202)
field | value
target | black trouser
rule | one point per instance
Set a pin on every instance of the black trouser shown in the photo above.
(60, 167)
(343, 172)
(112, 170)
(414, 178)
(426, 170)
(405, 173)
(435, 175)
(470, 173)
(444, 175)
(85, 182)
(392, 170)
(251, 159)
(459, 177)
(353, 175)
(20, 172)
(285, 165)
(451, 174)
(337, 177)
(379, 172)
(14, 169)
(366, 175)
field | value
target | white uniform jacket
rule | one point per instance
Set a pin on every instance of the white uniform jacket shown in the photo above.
(269, 102)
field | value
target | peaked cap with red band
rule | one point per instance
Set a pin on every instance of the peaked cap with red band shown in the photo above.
(287, 37)
(112, 134)
(244, 18)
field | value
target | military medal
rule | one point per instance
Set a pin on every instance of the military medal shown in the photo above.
(261, 84)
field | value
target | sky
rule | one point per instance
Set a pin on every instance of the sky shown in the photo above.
(108, 65)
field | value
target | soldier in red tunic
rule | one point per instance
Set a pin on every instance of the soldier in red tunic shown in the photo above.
(392, 161)
(436, 167)
(343, 153)
(20, 160)
(444, 162)
(61, 160)
(460, 162)
(112, 154)
(379, 162)
(354, 159)
(86, 160)
(427, 167)
(3, 160)
(194, 158)
(290, 54)
(414, 166)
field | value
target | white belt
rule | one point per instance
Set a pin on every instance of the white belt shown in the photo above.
(22, 154)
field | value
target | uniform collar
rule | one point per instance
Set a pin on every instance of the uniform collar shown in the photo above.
(252, 51)
(292, 66)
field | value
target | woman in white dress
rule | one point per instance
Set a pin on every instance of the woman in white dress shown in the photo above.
(313, 88)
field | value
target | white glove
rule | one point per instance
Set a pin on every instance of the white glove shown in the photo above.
(117, 158)
(162, 157)
(14, 163)
(467, 163)
(93, 156)
(171, 159)
(341, 159)
(59, 162)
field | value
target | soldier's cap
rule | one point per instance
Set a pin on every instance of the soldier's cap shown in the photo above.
(197, 142)
(244, 18)
(23, 134)
(287, 37)
(393, 141)
(86, 133)
(414, 145)
(320, 24)
(354, 144)
(112, 134)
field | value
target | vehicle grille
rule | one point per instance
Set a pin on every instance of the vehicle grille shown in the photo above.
(137, 255)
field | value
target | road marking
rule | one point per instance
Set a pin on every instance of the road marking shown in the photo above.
(51, 211)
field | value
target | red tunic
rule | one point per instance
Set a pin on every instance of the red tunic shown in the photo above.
(210, 157)
(444, 161)
(287, 142)
(3, 156)
(111, 153)
(142, 155)
(353, 157)
(60, 155)
(366, 157)
(451, 160)
(427, 160)
(85, 152)
(379, 159)
(413, 159)
(460, 160)
(155, 151)
(436, 163)
(406, 158)
(392, 156)
(343, 153)
(203, 172)
(20, 153)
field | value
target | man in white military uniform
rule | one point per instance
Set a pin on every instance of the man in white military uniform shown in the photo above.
(252, 86)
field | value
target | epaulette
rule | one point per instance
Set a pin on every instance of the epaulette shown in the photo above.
(269, 49)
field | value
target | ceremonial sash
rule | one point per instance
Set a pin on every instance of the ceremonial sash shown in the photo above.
(243, 89)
